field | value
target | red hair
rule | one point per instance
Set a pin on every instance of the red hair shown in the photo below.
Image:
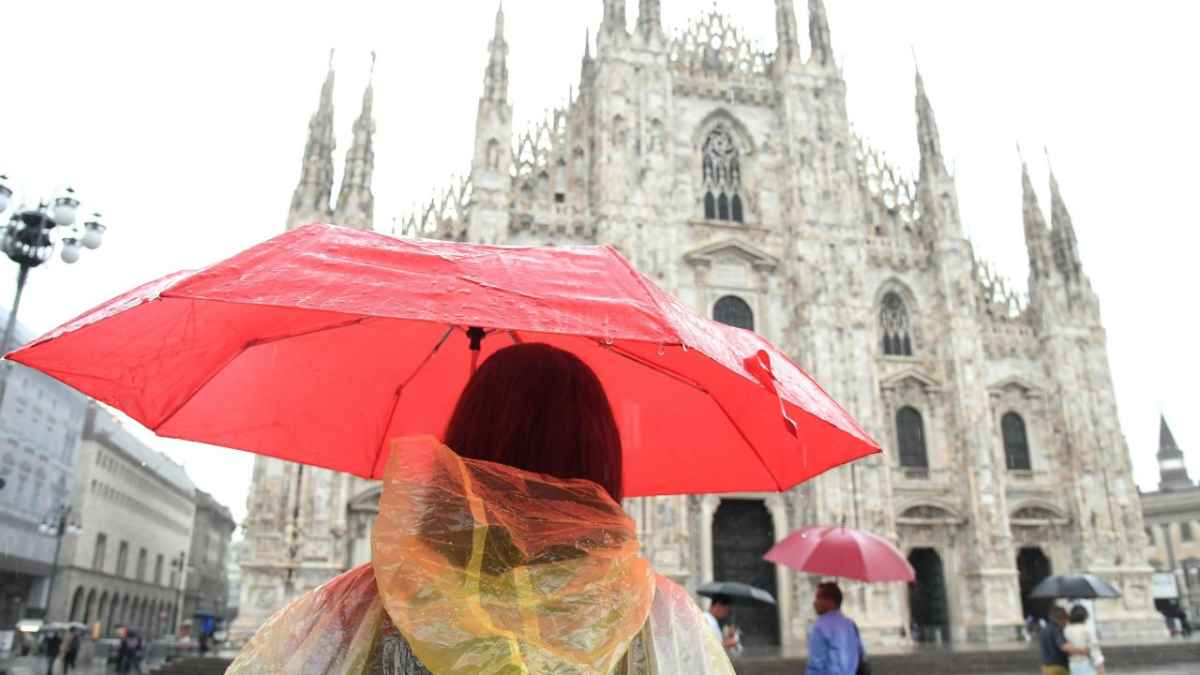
(542, 409)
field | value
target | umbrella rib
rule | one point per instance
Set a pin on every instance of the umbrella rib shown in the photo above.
(242, 350)
(387, 421)
(638, 359)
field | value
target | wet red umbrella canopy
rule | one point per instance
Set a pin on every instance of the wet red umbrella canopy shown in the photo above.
(320, 345)
(842, 552)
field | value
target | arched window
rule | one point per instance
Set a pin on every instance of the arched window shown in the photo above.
(910, 435)
(894, 326)
(722, 172)
(733, 311)
(1016, 442)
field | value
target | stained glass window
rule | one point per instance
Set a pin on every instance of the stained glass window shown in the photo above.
(722, 176)
(895, 327)
(1016, 442)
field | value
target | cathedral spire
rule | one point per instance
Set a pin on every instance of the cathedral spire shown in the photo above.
(614, 16)
(587, 69)
(356, 202)
(928, 139)
(818, 33)
(495, 78)
(1035, 228)
(1172, 469)
(649, 21)
(788, 49)
(1062, 233)
(310, 201)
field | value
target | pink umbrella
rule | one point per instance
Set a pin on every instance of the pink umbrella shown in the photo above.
(842, 552)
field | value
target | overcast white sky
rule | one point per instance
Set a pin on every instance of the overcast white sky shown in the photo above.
(184, 123)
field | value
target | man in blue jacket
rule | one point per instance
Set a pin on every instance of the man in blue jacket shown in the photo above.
(834, 646)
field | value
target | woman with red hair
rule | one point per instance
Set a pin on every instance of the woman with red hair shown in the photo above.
(504, 550)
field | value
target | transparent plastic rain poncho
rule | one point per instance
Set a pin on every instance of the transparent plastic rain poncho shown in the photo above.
(489, 570)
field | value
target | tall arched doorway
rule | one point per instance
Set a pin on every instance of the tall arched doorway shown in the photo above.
(927, 603)
(1032, 567)
(742, 533)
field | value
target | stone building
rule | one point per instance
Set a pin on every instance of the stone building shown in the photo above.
(1172, 516)
(40, 423)
(730, 175)
(136, 511)
(205, 601)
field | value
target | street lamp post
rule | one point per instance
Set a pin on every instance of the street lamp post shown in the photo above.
(57, 525)
(180, 564)
(32, 234)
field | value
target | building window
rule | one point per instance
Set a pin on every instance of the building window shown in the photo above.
(1016, 442)
(722, 174)
(1185, 531)
(141, 565)
(99, 554)
(158, 568)
(122, 559)
(910, 434)
(734, 311)
(894, 326)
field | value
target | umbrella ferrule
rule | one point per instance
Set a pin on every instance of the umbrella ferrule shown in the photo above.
(476, 334)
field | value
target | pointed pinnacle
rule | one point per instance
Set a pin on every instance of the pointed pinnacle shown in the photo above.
(587, 42)
(371, 76)
(331, 50)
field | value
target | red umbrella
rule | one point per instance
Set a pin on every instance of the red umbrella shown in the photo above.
(842, 552)
(320, 345)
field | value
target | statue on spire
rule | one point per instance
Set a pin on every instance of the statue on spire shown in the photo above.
(818, 33)
(788, 50)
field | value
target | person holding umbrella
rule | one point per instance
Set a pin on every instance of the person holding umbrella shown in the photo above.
(834, 645)
(349, 351)
(718, 610)
(510, 553)
(1079, 633)
(1056, 650)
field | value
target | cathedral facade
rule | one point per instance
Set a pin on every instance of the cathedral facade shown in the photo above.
(730, 176)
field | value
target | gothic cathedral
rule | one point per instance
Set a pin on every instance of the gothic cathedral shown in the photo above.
(731, 176)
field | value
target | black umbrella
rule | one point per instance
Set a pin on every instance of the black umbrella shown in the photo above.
(1074, 586)
(737, 592)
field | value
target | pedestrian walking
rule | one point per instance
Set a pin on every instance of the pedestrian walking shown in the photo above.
(1078, 633)
(834, 644)
(125, 652)
(51, 647)
(71, 650)
(719, 610)
(1056, 651)
(507, 550)
(136, 651)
